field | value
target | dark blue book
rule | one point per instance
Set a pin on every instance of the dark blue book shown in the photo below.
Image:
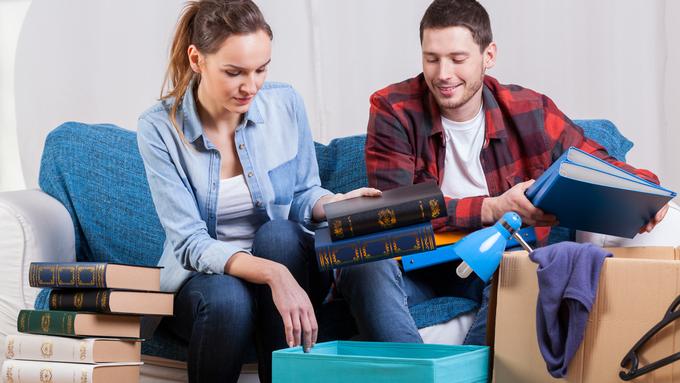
(372, 247)
(94, 275)
(587, 193)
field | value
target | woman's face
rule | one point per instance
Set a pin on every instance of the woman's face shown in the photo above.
(231, 77)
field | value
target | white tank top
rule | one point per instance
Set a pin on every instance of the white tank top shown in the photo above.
(463, 173)
(237, 218)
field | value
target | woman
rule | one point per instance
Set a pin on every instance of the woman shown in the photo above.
(233, 174)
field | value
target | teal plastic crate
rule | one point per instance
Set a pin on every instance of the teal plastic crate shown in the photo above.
(377, 362)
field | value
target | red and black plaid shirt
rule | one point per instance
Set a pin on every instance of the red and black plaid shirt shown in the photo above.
(525, 134)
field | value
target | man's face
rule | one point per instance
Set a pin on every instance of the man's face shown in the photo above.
(454, 68)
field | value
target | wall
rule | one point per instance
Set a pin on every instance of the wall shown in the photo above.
(103, 62)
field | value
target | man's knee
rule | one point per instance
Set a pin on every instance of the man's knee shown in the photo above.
(371, 275)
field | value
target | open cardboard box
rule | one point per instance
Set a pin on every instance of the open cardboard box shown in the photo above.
(636, 287)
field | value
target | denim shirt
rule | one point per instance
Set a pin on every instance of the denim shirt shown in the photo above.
(276, 151)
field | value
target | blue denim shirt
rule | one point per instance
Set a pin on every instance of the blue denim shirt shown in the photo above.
(276, 151)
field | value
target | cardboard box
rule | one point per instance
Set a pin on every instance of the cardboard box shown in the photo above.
(636, 287)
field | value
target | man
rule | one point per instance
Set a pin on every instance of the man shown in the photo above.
(483, 142)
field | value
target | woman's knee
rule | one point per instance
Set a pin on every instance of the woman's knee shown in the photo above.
(283, 241)
(225, 299)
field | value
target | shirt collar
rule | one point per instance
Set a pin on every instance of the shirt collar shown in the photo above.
(495, 123)
(192, 127)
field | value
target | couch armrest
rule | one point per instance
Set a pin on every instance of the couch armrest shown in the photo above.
(34, 227)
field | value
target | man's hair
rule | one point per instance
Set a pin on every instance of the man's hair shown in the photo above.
(459, 13)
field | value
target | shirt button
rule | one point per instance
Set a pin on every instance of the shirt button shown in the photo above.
(250, 174)
(258, 203)
(241, 146)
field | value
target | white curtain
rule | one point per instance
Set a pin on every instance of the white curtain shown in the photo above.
(103, 61)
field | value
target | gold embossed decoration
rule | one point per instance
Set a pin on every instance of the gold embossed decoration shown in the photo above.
(434, 208)
(387, 218)
(45, 375)
(9, 354)
(78, 301)
(9, 378)
(337, 228)
(83, 350)
(45, 322)
(83, 377)
(46, 350)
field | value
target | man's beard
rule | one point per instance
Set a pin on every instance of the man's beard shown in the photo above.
(470, 89)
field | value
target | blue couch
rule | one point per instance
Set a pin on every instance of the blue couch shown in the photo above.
(96, 172)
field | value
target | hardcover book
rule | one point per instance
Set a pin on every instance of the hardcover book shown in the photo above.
(73, 350)
(589, 194)
(69, 323)
(94, 275)
(372, 247)
(29, 371)
(110, 301)
(395, 208)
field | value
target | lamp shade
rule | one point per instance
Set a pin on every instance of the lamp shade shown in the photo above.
(482, 250)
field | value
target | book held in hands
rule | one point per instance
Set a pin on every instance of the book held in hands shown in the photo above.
(589, 194)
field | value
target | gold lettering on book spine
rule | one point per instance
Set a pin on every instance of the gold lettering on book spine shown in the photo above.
(69, 323)
(46, 350)
(9, 354)
(103, 304)
(422, 209)
(387, 218)
(45, 322)
(435, 209)
(83, 376)
(83, 350)
(45, 375)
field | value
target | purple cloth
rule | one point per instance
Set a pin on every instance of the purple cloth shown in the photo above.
(568, 275)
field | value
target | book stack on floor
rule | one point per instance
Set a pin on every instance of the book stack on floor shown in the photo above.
(93, 330)
(396, 224)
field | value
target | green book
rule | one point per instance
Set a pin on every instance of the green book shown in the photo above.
(69, 323)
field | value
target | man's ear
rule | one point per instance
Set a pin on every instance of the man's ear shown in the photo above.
(195, 59)
(490, 56)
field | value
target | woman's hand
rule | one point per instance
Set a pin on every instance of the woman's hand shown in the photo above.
(318, 212)
(295, 308)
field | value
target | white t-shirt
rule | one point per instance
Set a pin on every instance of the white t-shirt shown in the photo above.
(237, 218)
(463, 173)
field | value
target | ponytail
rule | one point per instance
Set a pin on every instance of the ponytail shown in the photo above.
(179, 72)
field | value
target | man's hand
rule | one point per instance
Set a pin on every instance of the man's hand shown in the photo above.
(658, 217)
(514, 199)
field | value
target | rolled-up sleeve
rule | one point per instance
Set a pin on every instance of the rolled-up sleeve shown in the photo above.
(176, 206)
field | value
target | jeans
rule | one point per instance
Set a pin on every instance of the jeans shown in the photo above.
(380, 293)
(221, 316)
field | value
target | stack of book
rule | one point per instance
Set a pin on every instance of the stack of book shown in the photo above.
(93, 329)
(396, 224)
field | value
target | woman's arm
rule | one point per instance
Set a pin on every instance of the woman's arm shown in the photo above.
(290, 299)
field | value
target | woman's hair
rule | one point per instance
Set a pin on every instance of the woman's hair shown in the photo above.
(205, 24)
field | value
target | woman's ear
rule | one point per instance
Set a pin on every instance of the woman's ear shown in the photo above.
(195, 59)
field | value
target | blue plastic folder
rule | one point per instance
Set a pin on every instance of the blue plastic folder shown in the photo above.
(378, 362)
(587, 193)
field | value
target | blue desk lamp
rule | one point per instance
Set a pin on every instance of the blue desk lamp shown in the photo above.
(482, 250)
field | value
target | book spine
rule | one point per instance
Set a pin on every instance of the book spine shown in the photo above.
(71, 275)
(81, 300)
(46, 322)
(29, 371)
(387, 218)
(375, 247)
(49, 348)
